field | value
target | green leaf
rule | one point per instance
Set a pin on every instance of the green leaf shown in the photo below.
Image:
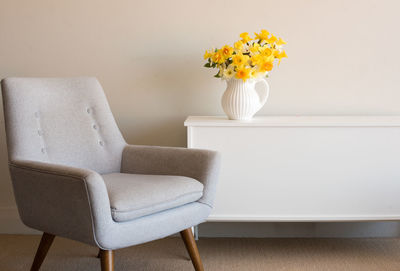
(207, 65)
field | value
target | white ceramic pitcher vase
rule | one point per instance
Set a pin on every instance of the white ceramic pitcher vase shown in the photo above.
(241, 101)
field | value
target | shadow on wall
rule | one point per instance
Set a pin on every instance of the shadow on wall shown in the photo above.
(162, 91)
(167, 132)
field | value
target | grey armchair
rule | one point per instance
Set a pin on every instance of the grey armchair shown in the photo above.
(74, 175)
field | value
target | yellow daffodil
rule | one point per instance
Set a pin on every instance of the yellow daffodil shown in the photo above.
(238, 46)
(207, 55)
(255, 59)
(263, 35)
(280, 42)
(254, 48)
(280, 56)
(218, 57)
(240, 60)
(266, 51)
(243, 73)
(266, 66)
(271, 40)
(229, 72)
(227, 51)
(270, 58)
(245, 37)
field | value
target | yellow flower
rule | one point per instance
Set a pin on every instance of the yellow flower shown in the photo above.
(254, 48)
(239, 60)
(271, 40)
(263, 35)
(280, 42)
(245, 37)
(227, 51)
(266, 51)
(229, 72)
(255, 59)
(217, 57)
(238, 46)
(243, 73)
(270, 58)
(207, 55)
(266, 66)
(280, 56)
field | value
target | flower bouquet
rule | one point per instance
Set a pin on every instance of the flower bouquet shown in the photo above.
(248, 58)
(243, 66)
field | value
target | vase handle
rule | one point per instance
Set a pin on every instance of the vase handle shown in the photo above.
(265, 92)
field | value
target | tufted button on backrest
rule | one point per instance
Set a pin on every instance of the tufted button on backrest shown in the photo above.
(61, 120)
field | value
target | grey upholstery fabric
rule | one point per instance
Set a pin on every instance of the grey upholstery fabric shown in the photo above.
(202, 165)
(135, 195)
(61, 137)
(59, 199)
(61, 120)
(74, 203)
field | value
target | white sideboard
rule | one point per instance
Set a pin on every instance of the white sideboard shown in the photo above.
(307, 168)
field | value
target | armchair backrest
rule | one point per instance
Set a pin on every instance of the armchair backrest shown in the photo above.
(61, 120)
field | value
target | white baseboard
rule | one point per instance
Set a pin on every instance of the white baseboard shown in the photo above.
(10, 223)
(301, 229)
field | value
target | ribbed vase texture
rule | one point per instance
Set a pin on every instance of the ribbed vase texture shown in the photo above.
(240, 100)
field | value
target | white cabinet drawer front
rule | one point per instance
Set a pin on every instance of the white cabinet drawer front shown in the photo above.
(304, 173)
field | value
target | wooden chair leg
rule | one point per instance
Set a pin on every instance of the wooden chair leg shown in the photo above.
(107, 260)
(45, 243)
(191, 247)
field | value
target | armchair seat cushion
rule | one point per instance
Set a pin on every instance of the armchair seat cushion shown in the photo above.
(136, 195)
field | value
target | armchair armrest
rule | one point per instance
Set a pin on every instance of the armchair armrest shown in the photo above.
(202, 165)
(58, 199)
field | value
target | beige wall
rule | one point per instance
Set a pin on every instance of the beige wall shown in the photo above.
(343, 57)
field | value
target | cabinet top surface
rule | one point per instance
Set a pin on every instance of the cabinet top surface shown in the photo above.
(366, 121)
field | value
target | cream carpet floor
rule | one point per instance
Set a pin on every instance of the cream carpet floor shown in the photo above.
(16, 253)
